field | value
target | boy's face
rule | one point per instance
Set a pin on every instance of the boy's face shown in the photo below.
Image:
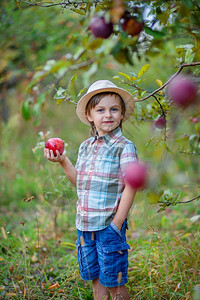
(107, 114)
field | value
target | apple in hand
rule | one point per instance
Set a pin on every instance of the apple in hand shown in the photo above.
(100, 28)
(55, 144)
(136, 175)
(182, 90)
(160, 123)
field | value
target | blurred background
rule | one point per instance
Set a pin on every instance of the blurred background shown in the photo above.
(48, 59)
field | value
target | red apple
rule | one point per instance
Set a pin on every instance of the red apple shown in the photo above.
(55, 144)
(160, 123)
(194, 120)
(100, 28)
(182, 90)
(136, 175)
(131, 25)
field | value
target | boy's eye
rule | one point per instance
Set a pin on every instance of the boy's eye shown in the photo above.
(100, 110)
(114, 109)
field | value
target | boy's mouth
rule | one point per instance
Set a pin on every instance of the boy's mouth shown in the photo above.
(108, 122)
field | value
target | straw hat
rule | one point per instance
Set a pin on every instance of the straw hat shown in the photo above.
(104, 86)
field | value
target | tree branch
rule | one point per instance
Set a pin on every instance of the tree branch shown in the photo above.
(197, 197)
(170, 79)
(163, 112)
(62, 3)
(71, 68)
(168, 203)
(190, 153)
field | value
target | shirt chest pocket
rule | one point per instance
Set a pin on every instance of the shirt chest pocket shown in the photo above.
(109, 166)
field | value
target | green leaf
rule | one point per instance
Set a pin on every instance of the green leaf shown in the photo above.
(143, 70)
(119, 56)
(61, 95)
(71, 85)
(18, 4)
(189, 56)
(143, 93)
(156, 34)
(95, 44)
(129, 57)
(188, 3)
(158, 82)
(41, 98)
(125, 75)
(26, 110)
(78, 11)
(183, 138)
(149, 141)
(187, 46)
(37, 113)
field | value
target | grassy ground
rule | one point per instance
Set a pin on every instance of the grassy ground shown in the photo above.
(38, 258)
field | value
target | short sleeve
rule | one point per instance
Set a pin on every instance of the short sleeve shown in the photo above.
(80, 151)
(129, 154)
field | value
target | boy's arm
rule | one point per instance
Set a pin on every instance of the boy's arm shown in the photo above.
(64, 161)
(124, 206)
(69, 170)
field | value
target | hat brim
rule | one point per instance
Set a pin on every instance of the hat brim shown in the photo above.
(126, 96)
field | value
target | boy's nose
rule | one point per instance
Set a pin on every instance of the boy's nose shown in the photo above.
(108, 113)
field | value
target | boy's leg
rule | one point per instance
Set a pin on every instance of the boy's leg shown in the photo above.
(100, 292)
(119, 293)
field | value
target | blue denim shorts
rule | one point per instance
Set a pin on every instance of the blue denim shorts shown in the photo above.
(103, 254)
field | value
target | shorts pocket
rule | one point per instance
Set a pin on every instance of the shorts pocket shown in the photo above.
(115, 228)
(115, 258)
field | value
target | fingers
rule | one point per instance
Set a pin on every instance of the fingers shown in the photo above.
(50, 155)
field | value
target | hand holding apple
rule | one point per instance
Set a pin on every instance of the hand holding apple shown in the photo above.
(54, 149)
(55, 144)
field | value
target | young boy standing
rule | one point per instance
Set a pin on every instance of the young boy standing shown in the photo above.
(104, 198)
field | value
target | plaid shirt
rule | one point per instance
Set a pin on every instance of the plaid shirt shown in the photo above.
(100, 168)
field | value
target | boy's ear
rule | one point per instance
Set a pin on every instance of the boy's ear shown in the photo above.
(89, 117)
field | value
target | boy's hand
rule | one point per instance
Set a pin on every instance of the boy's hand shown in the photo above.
(51, 157)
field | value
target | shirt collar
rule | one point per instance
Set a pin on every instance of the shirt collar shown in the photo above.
(110, 137)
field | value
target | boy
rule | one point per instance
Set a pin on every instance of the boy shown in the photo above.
(104, 199)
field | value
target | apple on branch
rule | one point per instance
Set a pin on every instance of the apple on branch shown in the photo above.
(160, 122)
(182, 90)
(194, 120)
(55, 144)
(100, 28)
(136, 175)
(131, 25)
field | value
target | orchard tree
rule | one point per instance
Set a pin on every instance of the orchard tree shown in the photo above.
(113, 35)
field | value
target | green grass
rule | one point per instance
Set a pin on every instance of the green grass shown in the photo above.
(38, 259)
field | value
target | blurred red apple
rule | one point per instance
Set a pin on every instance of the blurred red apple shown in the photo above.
(100, 28)
(160, 123)
(182, 90)
(136, 175)
(131, 25)
(194, 120)
(55, 144)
